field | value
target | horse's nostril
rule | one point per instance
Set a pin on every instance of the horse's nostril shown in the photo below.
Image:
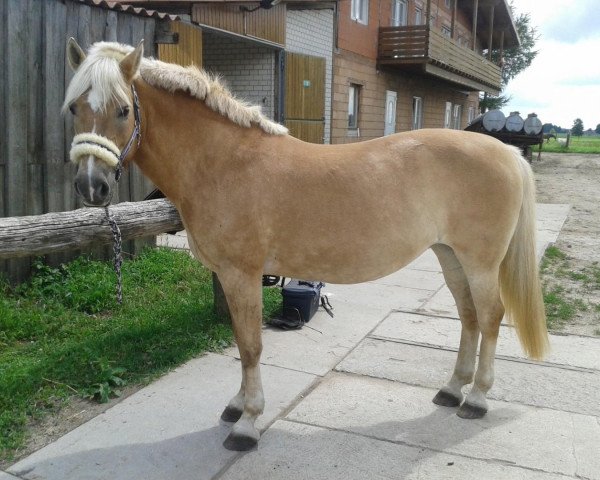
(104, 190)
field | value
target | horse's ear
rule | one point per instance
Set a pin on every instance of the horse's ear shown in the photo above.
(131, 63)
(75, 55)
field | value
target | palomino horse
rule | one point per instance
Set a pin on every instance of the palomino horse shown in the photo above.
(366, 209)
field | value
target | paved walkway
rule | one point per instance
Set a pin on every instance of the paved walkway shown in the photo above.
(350, 398)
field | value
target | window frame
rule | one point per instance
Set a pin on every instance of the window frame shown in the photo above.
(399, 20)
(417, 113)
(359, 11)
(354, 90)
(457, 112)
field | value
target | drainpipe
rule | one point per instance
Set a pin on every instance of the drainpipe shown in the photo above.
(475, 9)
(491, 32)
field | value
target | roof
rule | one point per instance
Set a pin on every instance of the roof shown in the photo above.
(120, 7)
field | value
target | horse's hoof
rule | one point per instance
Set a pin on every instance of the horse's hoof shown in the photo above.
(470, 411)
(240, 443)
(446, 399)
(231, 414)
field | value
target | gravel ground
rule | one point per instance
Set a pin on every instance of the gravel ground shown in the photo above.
(575, 180)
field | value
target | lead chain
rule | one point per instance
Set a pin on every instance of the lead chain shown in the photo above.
(118, 262)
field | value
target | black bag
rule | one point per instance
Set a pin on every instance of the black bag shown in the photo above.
(301, 300)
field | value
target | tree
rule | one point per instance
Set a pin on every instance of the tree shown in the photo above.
(577, 129)
(514, 60)
(597, 130)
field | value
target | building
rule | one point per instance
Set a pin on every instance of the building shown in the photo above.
(406, 64)
(349, 70)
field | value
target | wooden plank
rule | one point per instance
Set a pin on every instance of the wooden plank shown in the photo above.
(188, 50)
(16, 98)
(110, 33)
(97, 26)
(309, 131)
(35, 110)
(3, 133)
(54, 73)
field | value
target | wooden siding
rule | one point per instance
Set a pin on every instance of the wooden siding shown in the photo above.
(35, 173)
(188, 50)
(305, 96)
(262, 24)
(438, 56)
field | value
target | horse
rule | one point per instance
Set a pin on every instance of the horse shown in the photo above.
(365, 209)
(548, 136)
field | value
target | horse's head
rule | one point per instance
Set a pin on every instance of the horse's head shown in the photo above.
(103, 102)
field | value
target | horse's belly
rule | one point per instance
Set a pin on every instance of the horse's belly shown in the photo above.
(346, 262)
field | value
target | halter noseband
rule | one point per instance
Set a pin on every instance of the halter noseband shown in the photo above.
(85, 144)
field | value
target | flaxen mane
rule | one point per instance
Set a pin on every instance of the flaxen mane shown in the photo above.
(100, 73)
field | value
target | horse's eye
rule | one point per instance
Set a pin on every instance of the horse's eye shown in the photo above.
(72, 108)
(123, 112)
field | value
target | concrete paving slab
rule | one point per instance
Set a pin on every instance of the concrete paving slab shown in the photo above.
(526, 383)
(292, 451)
(409, 278)
(570, 350)
(168, 430)
(535, 438)
(550, 220)
(322, 343)
(441, 303)
(427, 261)
(376, 296)
(7, 476)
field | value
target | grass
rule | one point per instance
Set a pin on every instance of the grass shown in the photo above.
(576, 145)
(62, 333)
(562, 305)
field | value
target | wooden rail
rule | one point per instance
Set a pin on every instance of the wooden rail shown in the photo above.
(81, 228)
(419, 45)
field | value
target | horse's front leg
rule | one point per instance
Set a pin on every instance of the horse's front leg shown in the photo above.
(244, 297)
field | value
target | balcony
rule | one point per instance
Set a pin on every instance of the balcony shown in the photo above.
(418, 48)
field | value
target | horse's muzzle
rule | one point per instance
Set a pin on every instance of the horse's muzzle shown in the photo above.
(93, 189)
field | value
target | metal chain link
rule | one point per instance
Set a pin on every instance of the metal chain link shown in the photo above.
(118, 262)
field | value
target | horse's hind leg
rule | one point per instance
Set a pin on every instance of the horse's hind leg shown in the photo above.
(451, 394)
(244, 297)
(485, 290)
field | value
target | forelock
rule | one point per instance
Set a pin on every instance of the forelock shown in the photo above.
(100, 75)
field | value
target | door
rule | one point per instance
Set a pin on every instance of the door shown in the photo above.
(390, 112)
(305, 96)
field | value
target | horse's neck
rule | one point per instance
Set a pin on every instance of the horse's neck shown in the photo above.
(180, 137)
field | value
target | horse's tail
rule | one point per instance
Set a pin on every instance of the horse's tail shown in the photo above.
(519, 278)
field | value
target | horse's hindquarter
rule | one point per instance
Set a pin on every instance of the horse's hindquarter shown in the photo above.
(350, 213)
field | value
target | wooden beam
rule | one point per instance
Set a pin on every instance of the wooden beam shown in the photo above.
(76, 229)
(428, 13)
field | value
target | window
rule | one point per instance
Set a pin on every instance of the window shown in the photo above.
(471, 114)
(418, 16)
(448, 3)
(448, 115)
(457, 117)
(360, 11)
(353, 102)
(417, 119)
(446, 32)
(399, 13)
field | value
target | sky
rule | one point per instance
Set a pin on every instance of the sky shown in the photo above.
(563, 81)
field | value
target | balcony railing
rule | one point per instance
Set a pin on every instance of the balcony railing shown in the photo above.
(435, 54)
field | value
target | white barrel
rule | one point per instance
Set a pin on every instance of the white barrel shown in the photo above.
(494, 121)
(532, 124)
(514, 122)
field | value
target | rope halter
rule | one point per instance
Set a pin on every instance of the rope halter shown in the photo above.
(104, 149)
